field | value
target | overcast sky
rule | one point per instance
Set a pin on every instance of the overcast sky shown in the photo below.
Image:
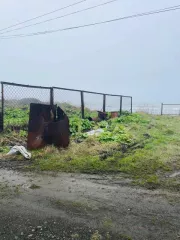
(138, 57)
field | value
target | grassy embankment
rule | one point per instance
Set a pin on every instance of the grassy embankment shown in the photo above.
(143, 147)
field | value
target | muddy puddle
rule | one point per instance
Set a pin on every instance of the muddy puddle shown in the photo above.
(105, 202)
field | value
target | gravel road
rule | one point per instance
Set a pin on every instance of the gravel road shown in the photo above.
(80, 206)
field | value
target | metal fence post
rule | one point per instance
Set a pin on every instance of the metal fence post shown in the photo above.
(2, 108)
(104, 102)
(120, 105)
(52, 96)
(82, 104)
(162, 108)
(131, 106)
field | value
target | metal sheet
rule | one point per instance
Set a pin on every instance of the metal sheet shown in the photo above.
(39, 117)
(47, 125)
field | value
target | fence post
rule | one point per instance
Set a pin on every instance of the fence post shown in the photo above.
(82, 104)
(2, 108)
(52, 96)
(162, 108)
(120, 105)
(131, 106)
(104, 102)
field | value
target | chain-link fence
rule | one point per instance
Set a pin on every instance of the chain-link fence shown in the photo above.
(68, 100)
(15, 103)
(153, 109)
(170, 109)
(113, 103)
(157, 109)
(16, 98)
(92, 104)
(126, 104)
(1, 110)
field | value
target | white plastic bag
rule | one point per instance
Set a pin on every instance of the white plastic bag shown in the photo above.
(95, 132)
(14, 150)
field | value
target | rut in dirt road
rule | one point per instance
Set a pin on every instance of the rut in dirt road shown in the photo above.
(79, 206)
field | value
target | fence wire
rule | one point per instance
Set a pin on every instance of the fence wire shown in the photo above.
(1, 112)
(16, 98)
(170, 109)
(17, 101)
(147, 108)
(126, 104)
(92, 104)
(69, 101)
(113, 103)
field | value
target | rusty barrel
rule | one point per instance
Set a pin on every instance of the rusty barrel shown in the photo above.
(114, 114)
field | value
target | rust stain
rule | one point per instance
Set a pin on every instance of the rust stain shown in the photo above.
(114, 114)
(47, 125)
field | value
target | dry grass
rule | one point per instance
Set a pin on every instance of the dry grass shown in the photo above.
(153, 154)
(83, 157)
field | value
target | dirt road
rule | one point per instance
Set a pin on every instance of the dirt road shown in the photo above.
(79, 206)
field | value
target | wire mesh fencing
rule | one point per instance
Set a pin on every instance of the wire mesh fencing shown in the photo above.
(113, 103)
(153, 109)
(92, 104)
(1, 110)
(16, 99)
(68, 100)
(170, 109)
(157, 109)
(127, 104)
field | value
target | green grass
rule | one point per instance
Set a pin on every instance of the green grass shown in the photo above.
(16, 117)
(34, 186)
(96, 236)
(11, 139)
(149, 151)
(8, 192)
(145, 147)
(107, 223)
(82, 157)
(73, 206)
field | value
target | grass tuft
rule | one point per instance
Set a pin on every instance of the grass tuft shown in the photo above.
(145, 147)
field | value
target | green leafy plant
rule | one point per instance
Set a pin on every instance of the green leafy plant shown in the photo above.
(103, 124)
(16, 117)
(23, 133)
(117, 134)
(78, 125)
(132, 118)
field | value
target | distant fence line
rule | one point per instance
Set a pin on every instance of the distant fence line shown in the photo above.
(170, 109)
(147, 108)
(15, 95)
(158, 109)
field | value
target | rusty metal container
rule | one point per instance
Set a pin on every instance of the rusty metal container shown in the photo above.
(39, 117)
(114, 114)
(58, 132)
(102, 115)
(47, 125)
